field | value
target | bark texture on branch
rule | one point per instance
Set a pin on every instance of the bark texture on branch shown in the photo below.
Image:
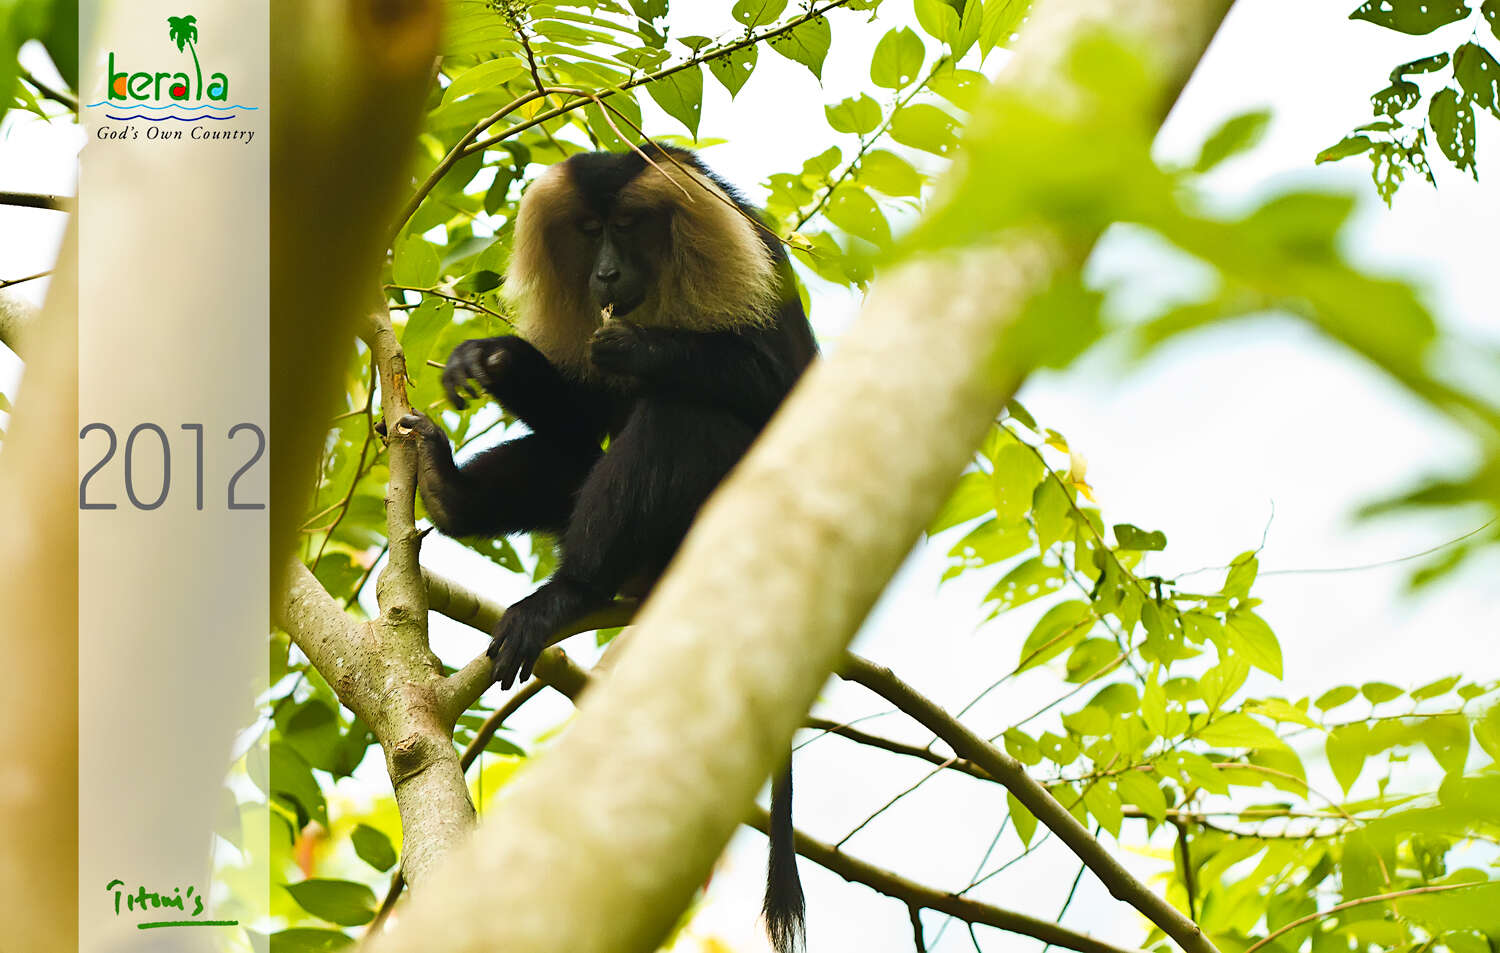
(626, 816)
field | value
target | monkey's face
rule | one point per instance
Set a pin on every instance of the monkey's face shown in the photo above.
(626, 247)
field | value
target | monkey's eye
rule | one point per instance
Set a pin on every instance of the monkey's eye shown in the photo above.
(591, 226)
(625, 221)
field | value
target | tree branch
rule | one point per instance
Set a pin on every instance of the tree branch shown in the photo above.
(55, 203)
(917, 895)
(1008, 771)
(56, 95)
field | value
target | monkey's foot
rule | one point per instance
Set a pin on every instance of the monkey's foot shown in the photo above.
(519, 638)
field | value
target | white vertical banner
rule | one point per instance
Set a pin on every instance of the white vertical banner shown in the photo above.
(172, 528)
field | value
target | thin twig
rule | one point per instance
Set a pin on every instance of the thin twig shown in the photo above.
(457, 300)
(56, 95)
(6, 283)
(56, 203)
(1359, 902)
(1122, 884)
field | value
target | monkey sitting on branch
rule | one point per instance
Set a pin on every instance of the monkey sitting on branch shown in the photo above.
(655, 309)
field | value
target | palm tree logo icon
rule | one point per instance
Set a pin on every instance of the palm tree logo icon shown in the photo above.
(184, 32)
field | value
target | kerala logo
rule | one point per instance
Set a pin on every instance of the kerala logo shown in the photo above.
(162, 89)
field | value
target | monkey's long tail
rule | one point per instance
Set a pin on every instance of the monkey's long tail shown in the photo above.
(785, 908)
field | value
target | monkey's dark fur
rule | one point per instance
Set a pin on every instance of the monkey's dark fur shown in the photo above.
(706, 337)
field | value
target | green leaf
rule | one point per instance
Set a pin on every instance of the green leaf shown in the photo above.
(1136, 787)
(478, 282)
(1062, 627)
(1016, 474)
(926, 127)
(344, 902)
(1345, 749)
(1478, 75)
(754, 13)
(649, 9)
(1052, 511)
(1219, 683)
(939, 19)
(1344, 148)
(1002, 19)
(1378, 693)
(1433, 689)
(1238, 730)
(961, 87)
(1236, 135)
(807, 44)
(487, 76)
(1253, 640)
(1022, 747)
(416, 263)
(898, 59)
(1414, 17)
(1427, 64)
(852, 209)
(373, 847)
(312, 729)
(1196, 769)
(423, 325)
(1089, 658)
(857, 115)
(1281, 710)
(1032, 579)
(992, 541)
(889, 173)
(1021, 819)
(292, 781)
(972, 497)
(1241, 575)
(307, 940)
(1335, 697)
(733, 69)
(1139, 540)
(1490, 9)
(1104, 804)
(1447, 737)
(1397, 97)
(1487, 732)
(680, 95)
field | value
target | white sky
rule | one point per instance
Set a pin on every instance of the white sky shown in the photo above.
(1199, 442)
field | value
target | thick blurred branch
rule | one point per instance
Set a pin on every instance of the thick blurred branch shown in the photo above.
(39, 590)
(348, 87)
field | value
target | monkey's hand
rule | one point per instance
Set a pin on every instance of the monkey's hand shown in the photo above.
(413, 423)
(483, 361)
(622, 348)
